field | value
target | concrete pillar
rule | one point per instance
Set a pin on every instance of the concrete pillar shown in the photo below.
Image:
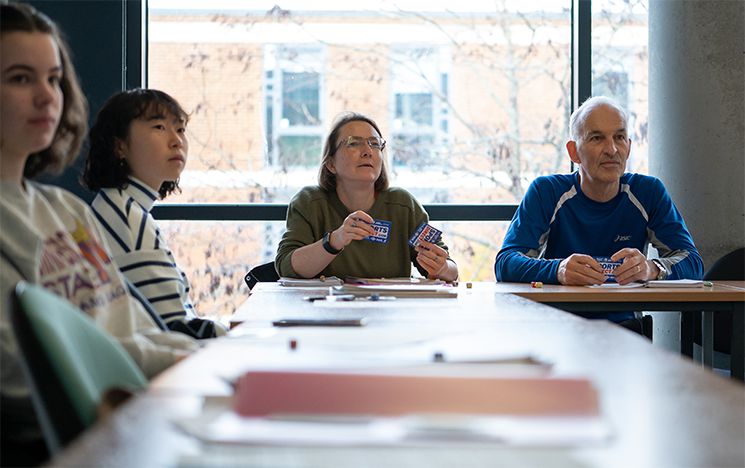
(697, 118)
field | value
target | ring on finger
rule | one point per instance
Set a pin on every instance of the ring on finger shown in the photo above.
(638, 268)
(354, 225)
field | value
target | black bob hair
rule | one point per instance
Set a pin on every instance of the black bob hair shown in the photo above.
(103, 167)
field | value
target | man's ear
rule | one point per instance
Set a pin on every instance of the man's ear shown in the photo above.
(572, 150)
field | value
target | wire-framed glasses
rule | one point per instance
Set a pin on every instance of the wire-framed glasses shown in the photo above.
(355, 142)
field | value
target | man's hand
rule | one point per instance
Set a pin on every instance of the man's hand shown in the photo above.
(580, 270)
(635, 266)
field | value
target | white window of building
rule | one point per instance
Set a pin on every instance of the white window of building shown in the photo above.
(293, 90)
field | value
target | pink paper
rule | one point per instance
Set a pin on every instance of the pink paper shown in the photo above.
(262, 393)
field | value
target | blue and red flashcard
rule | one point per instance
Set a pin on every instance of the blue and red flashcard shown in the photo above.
(382, 231)
(609, 268)
(425, 232)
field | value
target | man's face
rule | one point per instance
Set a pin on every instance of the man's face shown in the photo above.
(603, 147)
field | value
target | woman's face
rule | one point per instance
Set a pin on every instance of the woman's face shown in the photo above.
(357, 160)
(156, 148)
(30, 95)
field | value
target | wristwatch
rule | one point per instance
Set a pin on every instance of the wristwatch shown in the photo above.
(663, 271)
(327, 245)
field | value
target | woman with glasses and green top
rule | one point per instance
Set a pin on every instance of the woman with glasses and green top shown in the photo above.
(352, 223)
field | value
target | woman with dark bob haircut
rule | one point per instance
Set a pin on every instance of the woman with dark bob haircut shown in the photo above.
(50, 237)
(105, 167)
(138, 149)
(353, 223)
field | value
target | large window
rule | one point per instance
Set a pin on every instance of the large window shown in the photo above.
(473, 97)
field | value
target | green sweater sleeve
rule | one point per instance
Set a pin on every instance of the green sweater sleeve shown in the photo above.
(304, 227)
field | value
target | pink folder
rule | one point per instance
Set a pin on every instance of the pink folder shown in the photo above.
(263, 393)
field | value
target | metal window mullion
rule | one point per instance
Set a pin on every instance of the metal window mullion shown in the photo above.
(278, 212)
(134, 44)
(581, 53)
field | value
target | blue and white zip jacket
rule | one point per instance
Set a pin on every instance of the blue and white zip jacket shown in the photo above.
(143, 257)
(555, 220)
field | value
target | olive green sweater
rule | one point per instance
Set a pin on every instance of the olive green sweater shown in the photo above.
(314, 212)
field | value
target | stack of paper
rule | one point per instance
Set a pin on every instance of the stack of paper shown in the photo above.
(681, 283)
(324, 281)
(389, 281)
(388, 407)
(399, 290)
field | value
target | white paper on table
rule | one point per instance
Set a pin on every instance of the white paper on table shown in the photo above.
(369, 338)
(385, 303)
(228, 427)
(616, 285)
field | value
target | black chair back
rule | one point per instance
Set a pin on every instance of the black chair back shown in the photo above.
(261, 273)
(729, 267)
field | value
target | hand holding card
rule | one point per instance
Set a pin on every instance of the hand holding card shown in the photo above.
(356, 226)
(382, 231)
(425, 232)
(609, 268)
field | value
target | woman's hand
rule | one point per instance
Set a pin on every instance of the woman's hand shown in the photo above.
(356, 226)
(434, 259)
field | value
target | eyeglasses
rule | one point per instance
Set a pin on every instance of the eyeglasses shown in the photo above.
(354, 142)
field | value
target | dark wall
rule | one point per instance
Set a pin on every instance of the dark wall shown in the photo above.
(106, 56)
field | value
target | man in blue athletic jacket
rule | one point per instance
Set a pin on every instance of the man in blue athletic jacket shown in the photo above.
(566, 222)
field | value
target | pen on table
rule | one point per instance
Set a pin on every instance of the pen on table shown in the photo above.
(311, 322)
(349, 297)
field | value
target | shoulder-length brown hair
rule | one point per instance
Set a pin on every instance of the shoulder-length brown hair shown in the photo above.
(326, 178)
(19, 17)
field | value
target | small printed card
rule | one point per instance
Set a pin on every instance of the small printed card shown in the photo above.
(609, 268)
(425, 232)
(382, 231)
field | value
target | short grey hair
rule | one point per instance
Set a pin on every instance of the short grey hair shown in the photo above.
(579, 116)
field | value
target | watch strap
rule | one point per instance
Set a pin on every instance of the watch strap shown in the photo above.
(663, 270)
(327, 245)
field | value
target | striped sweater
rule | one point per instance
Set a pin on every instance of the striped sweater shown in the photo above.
(140, 252)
